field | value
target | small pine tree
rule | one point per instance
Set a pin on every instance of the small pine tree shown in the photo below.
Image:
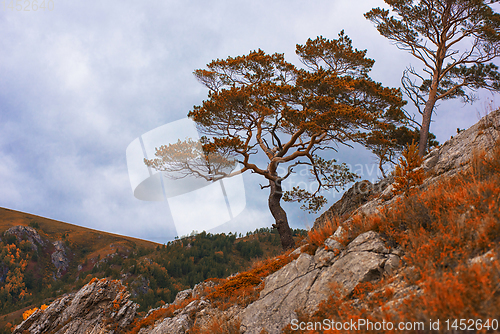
(407, 175)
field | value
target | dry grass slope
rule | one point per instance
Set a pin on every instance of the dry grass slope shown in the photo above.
(54, 230)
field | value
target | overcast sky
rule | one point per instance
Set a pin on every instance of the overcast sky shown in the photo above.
(80, 82)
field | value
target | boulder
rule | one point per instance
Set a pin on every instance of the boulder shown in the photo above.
(59, 259)
(305, 282)
(28, 233)
(455, 154)
(100, 307)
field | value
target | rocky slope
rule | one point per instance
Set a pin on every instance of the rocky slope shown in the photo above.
(101, 306)
(297, 288)
(305, 282)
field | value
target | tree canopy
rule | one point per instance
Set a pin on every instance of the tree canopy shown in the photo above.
(455, 41)
(263, 112)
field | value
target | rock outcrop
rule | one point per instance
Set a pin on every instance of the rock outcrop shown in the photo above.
(100, 307)
(28, 233)
(455, 154)
(305, 282)
(59, 259)
(360, 193)
(58, 256)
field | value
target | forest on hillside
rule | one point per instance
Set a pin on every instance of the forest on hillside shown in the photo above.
(153, 275)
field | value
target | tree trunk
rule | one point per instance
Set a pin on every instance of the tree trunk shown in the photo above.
(424, 130)
(279, 215)
(426, 117)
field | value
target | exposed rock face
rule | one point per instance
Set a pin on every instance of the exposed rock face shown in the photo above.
(454, 155)
(181, 322)
(305, 282)
(59, 258)
(357, 195)
(199, 311)
(100, 307)
(139, 286)
(27, 232)
(360, 193)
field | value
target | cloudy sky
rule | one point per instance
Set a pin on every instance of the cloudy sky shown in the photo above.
(83, 80)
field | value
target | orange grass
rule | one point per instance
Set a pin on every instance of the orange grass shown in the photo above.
(159, 314)
(318, 236)
(407, 175)
(244, 288)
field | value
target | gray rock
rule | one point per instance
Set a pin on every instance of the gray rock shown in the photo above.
(371, 208)
(27, 232)
(285, 292)
(357, 195)
(180, 323)
(323, 257)
(200, 287)
(388, 193)
(333, 245)
(485, 258)
(340, 232)
(96, 308)
(305, 282)
(455, 154)
(368, 242)
(392, 264)
(59, 259)
(139, 286)
(183, 295)
(431, 159)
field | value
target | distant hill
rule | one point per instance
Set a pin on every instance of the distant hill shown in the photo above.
(41, 259)
(54, 230)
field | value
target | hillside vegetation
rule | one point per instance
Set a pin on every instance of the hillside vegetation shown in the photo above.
(154, 273)
(450, 234)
